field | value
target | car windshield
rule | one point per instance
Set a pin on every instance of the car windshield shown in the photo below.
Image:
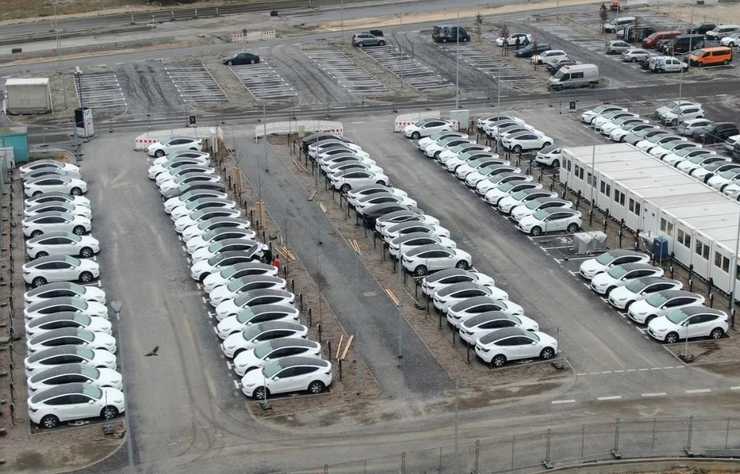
(676, 316)
(506, 187)
(519, 195)
(636, 286)
(272, 368)
(261, 350)
(605, 258)
(540, 215)
(656, 300)
(93, 391)
(617, 272)
(90, 372)
(245, 315)
(533, 204)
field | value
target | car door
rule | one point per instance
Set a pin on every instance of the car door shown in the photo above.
(553, 222)
(65, 246)
(281, 382)
(80, 406)
(513, 347)
(676, 303)
(51, 270)
(438, 260)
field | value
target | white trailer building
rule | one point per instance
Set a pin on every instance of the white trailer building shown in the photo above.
(701, 224)
(28, 95)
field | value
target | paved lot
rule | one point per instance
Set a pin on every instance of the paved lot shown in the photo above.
(194, 83)
(148, 89)
(408, 69)
(101, 91)
(264, 82)
(340, 67)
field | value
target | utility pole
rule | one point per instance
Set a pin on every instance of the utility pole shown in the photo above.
(457, 63)
(734, 274)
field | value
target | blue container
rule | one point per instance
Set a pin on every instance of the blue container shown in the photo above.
(17, 139)
(660, 247)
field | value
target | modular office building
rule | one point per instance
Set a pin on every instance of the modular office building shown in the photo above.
(700, 223)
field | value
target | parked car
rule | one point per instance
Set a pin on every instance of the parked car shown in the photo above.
(236, 286)
(688, 166)
(218, 234)
(404, 243)
(404, 215)
(634, 54)
(593, 266)
(174, 163)
(472, 329)
(174, 145)
(56, 197)
(74, 401)
(621, 133)
(452, 276)
(190, 208)
(674, 157)
(707, 171)
(68, 354)
(701, 29)
(224, 275)
(371, 214)
(687, 323)
(667, 64)
(172, 188)
(275, 349)
(549, 56)
(74, 373)
(720, 31)
(59, 268)
(718, 133)
(731, 41)
(38, 165)
(66, 289)
(531, 49)
(253, 298)
(194, 231)
(492, 182)
(507, 203)
(684, 112)
(508, 344)
(549, 156)
(527, 142)
(620, 275)
(363, 40)
(464, 310)
(588, 116)
(574, 76)
(617, 47)
(530, 207)
(551, 220)
(62, 243)
(70, 335)
(201, 269)
(504, 190)
(54, 184)
(424, 259)
(63, 207)
(256, 315)
(720, 55)
(511, 40)
(289, 374)
(560, 63)
(356, 178)
(424, 129)
(241, 57)
(254, 333)
(615, 24)
(622, 297)
(691, 126)
(242, 244)
(67, 319)
(684, 44)
(163, 160)
(444, 298)
(450, 34)
(64, 304)
(660, 303)
(652, 41)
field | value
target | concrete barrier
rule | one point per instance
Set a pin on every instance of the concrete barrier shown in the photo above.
(144, 140)
(407, 119)
(293, 126)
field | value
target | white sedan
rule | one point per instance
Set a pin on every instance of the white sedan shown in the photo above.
(424, 259)
(55, 222)
(356, 178)
(508, 203)
(256, 315)
(56, 197)
(63, 288)
(471, 307)
(426, 128)
(593, 266)
(687, 323)
(65, 304)
(174, 145)
(226, 274)
(62, 243)
(253, 334)
(59, 268)
(197, 230)
(38, 165)
(173, 188)
(478, 326)
(64, 207)
(244, 284)
(354, 196)
(503, 345)
(243, 244)
(431, 283)
(276, 349)
(444, 298)
(81, 373)
(49, 184)
(197, 205)
(198, 217)
(523, 210)
(201, 155)
(73, 336)
(551, 220)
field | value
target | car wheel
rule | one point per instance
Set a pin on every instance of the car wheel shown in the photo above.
(609, 290)
(462, 264)
(86, 277)
(345, 188)
(627, 306)
(536, 230)
(498, 361)
(159, 153)
(421, 270)
(415, 135)
(49, 421)
(38, 281)
(76, 192)
(260, 393)
(109, 412)
(78, 230)
(381, 182)
(237, 352)
(36, 233)
(671, 338)
(545, 145)
(35, 193)
(556, 164)
(547, 353)
(86, 252)
(316, 387)
(517, 149)
(381, 43)
(229, 63)
(649, 318)
(41, 254)
(716, 333)
(572, 227)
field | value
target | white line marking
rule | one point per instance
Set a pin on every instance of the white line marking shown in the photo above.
(618, 371)
(605, 372)
(655, 368)
(643, 370)
(736, 387)
(699, 390)
(560, 402)
(655, 394)
(558, 247)
(236, 384)
(581, 373)
(612, 397)
(669, 367)
(631, 370)
(204, 299)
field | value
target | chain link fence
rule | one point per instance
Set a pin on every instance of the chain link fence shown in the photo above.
(539, 450)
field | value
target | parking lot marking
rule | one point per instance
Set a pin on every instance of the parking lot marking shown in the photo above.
(612, 397)
(236, 384)
(736, 387)
(698, 390)
(194, 83)
(100, 90)
(560, 402)
(343, 70)
(408, 69)
(264, 82)
(655, 394)
(210, 315)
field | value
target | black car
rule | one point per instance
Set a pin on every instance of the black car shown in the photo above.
(371, 214)
(701, 29)
(555, 67)
(450, 34)
(531, 49)
(241, 58)
(718, 133)
(735, 153)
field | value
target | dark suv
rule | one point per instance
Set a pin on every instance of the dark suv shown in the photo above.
(531, 49)
(241, 58)
(450, 34)
(718, 133)
(701, 29)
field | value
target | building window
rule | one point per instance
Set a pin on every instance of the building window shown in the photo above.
(602, 187)
(717, 259)
(687, 241)
(619, 197)
(637, 208)
(662, 224)
(669, 228)
(680, 237)
(725, 264)
(698, 247)
(632, 205)
(568, 163)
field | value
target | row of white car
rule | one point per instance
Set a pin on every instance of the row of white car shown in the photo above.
(258, 323)
(620, 125)
(71, 363)
(629, 283)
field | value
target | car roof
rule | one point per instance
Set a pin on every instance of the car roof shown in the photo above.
(649, 280)
(64, 177)
(246, 280)
(51, 213)
(218, 220)
(466, 285)
(60, 316)
(61, 369)
(426, 248)
(236, 240)
(271, 325)
(488, 316)
(302, 360)
(79, 302)
(47, 235)
(248, 295)
(220, 257)
(63, 389)
(50, 258)
(61, 350)
(402, 213)
(291, 342)
(553, 210)
(247, 266)
(502, 333)
(378, 208)
(405, 225)
(57, 285)
(448, 272)
(402, 239)
(637, 266)
(221, 230)
(701, 309)
(208, 199)
(271, 308)
(475, 301)
(676, 293)
(548, 199)
(61, 332)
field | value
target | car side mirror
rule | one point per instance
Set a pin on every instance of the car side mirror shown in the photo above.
(90, 402)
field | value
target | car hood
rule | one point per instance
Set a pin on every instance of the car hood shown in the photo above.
(641, 307)
(591, 267)
(603, 279)
(661, 324)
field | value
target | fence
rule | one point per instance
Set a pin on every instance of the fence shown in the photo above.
(548, 448)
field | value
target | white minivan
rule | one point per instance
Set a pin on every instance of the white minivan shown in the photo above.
(577, 75)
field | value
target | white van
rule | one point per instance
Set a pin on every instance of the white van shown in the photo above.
(618, 23)
(577, 75)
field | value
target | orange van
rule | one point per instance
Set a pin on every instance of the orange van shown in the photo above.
(711, 56)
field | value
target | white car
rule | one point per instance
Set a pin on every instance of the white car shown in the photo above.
(65, 304)
(503, 190)
(514, 343)
(288, 374)
(689, 127)
(551, 220)
(673, 147)
(684, 112)
(413, 227)
(732, 40)
(315, 150)
(721, 180)
(424, 259)
(523, 210)
(524, 38)
(172, 188)
(74, 401)
(620, 133)
(191, 196)
(450, 157)
(67, 319)
(404, 243)
(58, 197)
(355, 195)
(405, 215)
(689, 322)
(443, 278)
(384, 198)
(660, 303)
(201, 228)
(217, 235)
(686, 154)
(549, 156)
(433, 150)
(174, 145)
(49, 222)
(722, 31)
(426, 128)
(426, 141)
(74, 373)
(62, 243)
(69, 354)
(549, 57)
(178, 174)
(620, 275)
(354, 179)
(52, 184)
(623, 296)
(163, 160)
(333, 153)
(444, 298)
(74, 336)
(201, 269)
(492, 181)
(253, 298)
(343, 167)
(67, 208)
(464, 310)
(244, 244)
(60, 268)
(205, 215)
(239, 270)
(190, 207)
(593, 266)
(730, 143)
(463, 168)
(175, 163)
(64, 288)
(275, 349)
(708, 171)
(688, 166)
(588, 116)
(38, 165)
(508, 203)
(478, 326)
(255, 315)
(254, 333)
(248, 283)
(608, 128)
(634, 54)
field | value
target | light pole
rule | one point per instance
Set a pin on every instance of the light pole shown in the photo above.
(457, 63)
(734, 274)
